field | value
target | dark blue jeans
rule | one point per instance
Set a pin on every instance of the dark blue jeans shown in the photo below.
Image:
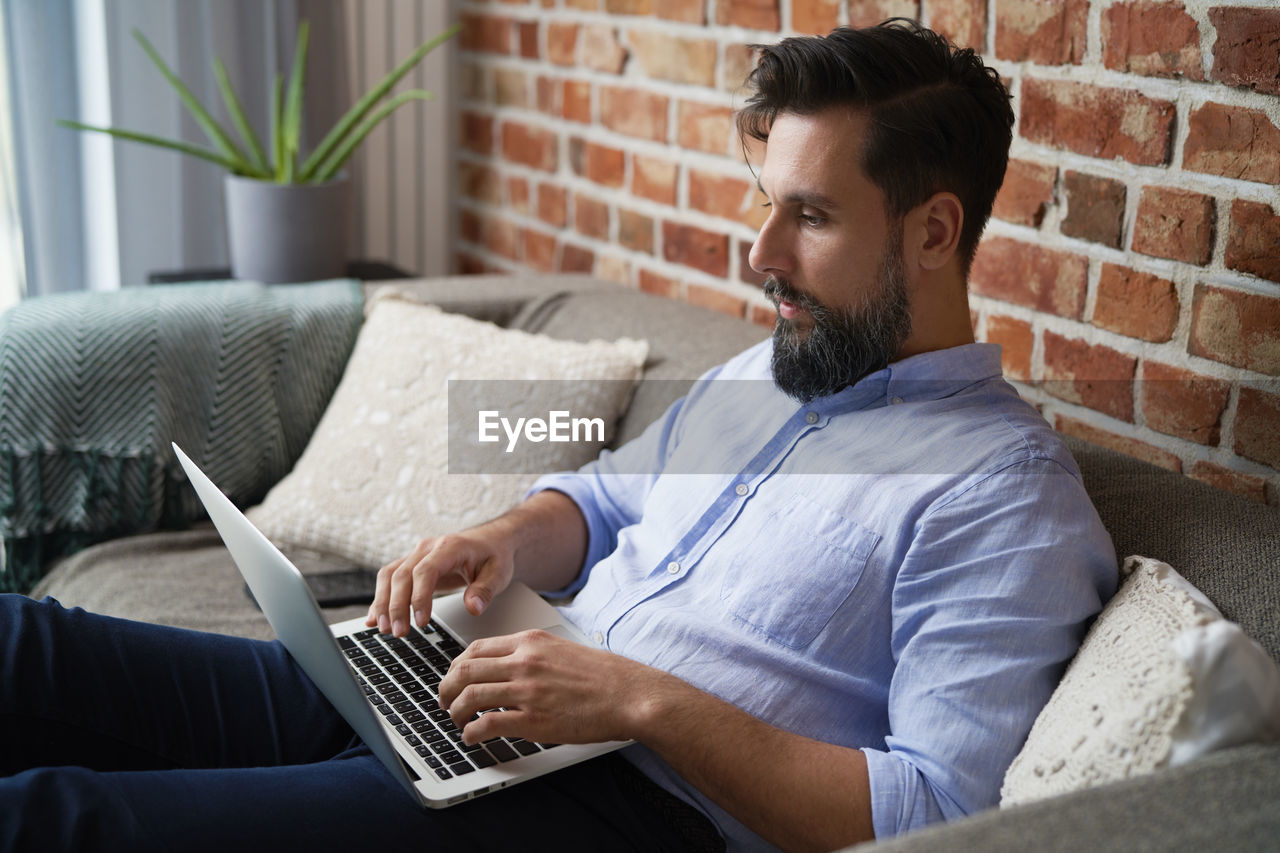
(124, 735)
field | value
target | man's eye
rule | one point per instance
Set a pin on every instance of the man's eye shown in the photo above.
(811, 220)
(766, 204)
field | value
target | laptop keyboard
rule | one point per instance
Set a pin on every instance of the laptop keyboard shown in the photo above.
(401, 678)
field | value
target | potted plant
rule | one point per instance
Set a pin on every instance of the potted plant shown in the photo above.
(286, 214)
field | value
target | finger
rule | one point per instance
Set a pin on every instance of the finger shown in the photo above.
(381, 597)
(507, 722)
(480, 698)
(402, 583)
(467, 669)
(488, 582)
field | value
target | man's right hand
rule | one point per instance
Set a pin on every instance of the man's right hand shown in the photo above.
(482, 559)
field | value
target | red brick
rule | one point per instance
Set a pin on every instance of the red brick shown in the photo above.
(868, 13)
(695, 247)
(602, 164)
(1089, 375)
(1237, 328)
(480, 182)
(600, 50)
(529, 39)
(530, 146)
(477, 132)
(562, 43)
(814, 17)
(745, 273)
(1119, 443)
(1182, 403)
(1155, 39)
(614, 268)
(468, 264)
(705, 127)
(469, 226)
(1046, 32)
(485, 33)
(659, 285)
(1253, 243)
(1097, 122)
(576, 259)
(752, 14)
(575, 101)
(686, 11)
(510, 88)
(1245, 485)
(762, 316)
(1136, 304)
(1258, 426)
(716, 300)
(547, 95)
(553, 205)
(1245, 52)
(539, 250)
(591, 216)
(1095, 209)
(1026, 193)
(654, 179)
(518, 195)
(1016, 340)
(726, 197)
(585, 5)
(1175, 224)
(1031, 275)
(962, 21)
(628, 7)
(634, 112)
(1233, 142)
(680, 60)
(500, 236)
(739, 60)
(635, 231)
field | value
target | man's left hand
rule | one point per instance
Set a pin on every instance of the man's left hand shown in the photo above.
(551, 690)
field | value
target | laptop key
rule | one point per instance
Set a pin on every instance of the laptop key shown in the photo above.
(482, 759)
(414, 716)
(502, 751)
(524, 747)
(443, 773)
(404, 707)
(461, 768)
(451, 756)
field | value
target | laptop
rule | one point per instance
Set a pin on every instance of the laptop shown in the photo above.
(385, 687)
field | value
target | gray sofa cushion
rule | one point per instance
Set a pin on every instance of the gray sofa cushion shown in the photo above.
(1229, 547)
(1225, 801)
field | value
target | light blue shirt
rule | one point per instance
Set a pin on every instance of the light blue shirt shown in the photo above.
(903, 567)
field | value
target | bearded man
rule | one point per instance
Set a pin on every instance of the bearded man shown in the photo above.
(827, 602)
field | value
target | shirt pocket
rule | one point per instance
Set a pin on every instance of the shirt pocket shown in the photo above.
(794, 569)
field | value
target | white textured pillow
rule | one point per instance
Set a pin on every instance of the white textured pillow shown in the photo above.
(1161, 679)
(374, 479)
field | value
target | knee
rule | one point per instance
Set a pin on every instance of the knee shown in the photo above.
(63, 808)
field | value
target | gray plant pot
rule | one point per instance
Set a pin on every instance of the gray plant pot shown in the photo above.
(283, 233)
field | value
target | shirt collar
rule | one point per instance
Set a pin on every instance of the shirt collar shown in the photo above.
(927, 376)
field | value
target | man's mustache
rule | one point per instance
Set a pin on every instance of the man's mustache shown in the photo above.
(780, 290)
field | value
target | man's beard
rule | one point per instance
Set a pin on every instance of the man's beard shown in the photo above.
(843, 345)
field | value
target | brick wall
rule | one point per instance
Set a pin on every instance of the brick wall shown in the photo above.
(1131, 270)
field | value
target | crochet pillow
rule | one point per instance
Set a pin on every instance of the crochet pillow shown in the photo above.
(382, 468)
(1160, 680)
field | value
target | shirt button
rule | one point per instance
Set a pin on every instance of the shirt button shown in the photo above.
(673, 568)
(741, 489)
(598, 637)
(811, 418)
(896, 400)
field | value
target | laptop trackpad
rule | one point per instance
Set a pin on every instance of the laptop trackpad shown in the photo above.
(517, 609)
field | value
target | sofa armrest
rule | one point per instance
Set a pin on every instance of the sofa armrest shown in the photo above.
(1224, 801)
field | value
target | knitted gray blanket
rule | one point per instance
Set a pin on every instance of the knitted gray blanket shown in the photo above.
(94, 387)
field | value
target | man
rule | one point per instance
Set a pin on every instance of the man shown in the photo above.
(842, 627)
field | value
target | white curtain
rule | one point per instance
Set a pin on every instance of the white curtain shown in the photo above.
(98, 213)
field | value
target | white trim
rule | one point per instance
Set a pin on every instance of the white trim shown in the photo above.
(97, 160)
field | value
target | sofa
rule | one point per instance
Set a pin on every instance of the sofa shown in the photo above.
(1226, 546)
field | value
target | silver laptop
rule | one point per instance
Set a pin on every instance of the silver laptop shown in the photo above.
(385, 687)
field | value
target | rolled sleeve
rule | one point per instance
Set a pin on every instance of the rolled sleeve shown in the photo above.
(992, 601)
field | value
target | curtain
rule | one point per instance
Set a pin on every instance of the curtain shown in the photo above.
(99, 213)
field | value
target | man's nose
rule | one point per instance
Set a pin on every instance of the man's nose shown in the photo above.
(768, 254)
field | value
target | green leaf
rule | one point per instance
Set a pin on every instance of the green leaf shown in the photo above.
(161, 142)
(339, 157)
(277, 134)
(241, 120)
(293, 106)
(323, 153)
(212, 129)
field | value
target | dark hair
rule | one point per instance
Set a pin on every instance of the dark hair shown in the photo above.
(939, 118)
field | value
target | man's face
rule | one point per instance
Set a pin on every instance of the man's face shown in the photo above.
(833, 257)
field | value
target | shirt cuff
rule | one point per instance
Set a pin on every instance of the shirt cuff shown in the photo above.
(900, 799)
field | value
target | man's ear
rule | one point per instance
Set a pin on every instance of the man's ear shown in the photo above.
(939, 220)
